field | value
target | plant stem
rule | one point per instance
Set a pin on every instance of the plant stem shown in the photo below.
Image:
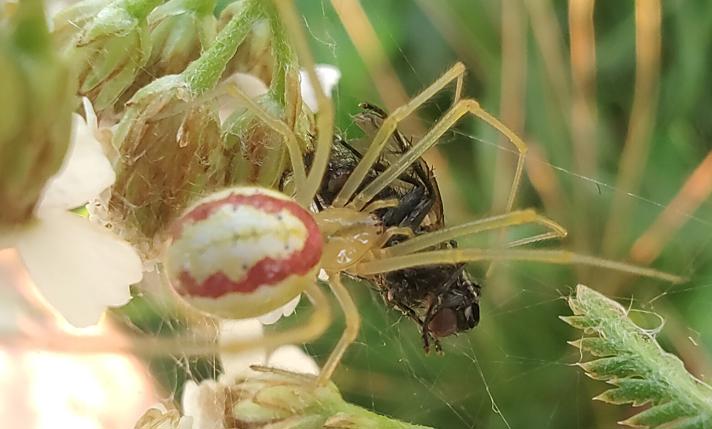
(284, 56)
(204, 73)
(141, 8)
(365, 418)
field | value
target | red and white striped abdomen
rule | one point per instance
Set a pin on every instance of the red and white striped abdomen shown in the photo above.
(243, 252)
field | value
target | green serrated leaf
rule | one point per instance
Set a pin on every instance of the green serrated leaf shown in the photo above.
(633, 391)
(641, 371)
(579, 322)
(612, 367)
(658, 415)
(696, 422)
(595, 346)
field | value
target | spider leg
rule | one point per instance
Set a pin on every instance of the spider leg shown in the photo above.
(319, 321)
(396, 231)
(324, 116)
(290, 138)
(353, 323)
(381, 204)
(460, 109)
(389, 127)
(457, 256)
(187, 345)
(425, 330)
(514, 218)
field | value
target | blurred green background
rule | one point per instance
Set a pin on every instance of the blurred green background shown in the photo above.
(515, 369)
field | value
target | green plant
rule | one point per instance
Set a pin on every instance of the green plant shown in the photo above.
(630, 358)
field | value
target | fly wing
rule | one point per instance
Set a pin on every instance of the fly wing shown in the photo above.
(370, 120)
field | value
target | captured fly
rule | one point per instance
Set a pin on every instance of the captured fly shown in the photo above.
(441, 299)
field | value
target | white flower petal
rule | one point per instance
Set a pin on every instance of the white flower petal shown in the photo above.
(251, 85)
(328, 78)
(85, 173)
(293, 358)
(238, 364)
(205, 404)
(10, 301)
(79, 268)
(285, 310)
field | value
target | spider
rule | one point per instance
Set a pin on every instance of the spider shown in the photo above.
(247, 250)
(441, 299)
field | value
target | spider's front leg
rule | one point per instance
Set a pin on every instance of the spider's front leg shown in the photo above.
(353, 324)
(385, 132)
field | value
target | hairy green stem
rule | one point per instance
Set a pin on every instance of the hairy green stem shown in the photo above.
(366, 418)
(285, 57)
(204, 73)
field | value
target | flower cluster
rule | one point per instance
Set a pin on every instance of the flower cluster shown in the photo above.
(164, 133)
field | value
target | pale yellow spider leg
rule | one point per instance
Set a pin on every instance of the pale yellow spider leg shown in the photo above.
(151, 346)
(353, 323)
(381, 204)
(430, 139)
(403, 231)
(534, 239)
(456, 256)
(281, 127)
(514, 218)
(398, 230)
(325, 115)
(388, 128)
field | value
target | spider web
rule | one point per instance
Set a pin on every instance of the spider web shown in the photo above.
(515, 369)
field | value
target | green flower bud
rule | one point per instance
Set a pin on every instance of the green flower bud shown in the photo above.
(254, 152)
(111, 49)
(277, 398)
(254, 56)
(68, 22)
(157, 419)
(169, 145)
(36, 120)
(180, 30)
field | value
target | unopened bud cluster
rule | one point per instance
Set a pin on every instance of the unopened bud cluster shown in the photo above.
(157, 70)
(273, 399)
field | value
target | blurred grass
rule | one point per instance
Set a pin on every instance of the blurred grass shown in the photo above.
(516, 362)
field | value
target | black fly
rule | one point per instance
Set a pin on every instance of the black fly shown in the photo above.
(441, 299)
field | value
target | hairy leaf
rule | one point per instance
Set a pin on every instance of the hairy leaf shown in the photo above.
(630, 358)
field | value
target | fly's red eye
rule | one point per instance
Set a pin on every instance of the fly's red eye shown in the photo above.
(444, 323)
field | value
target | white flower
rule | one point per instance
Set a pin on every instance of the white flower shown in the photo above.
(205, 404)
(328, 76)
(79, 268)
(253, 87)
(283, 311)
